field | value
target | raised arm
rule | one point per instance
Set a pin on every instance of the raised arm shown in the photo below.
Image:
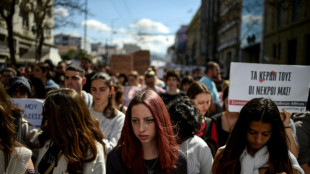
(291, 141)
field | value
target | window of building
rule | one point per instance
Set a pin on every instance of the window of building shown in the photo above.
(296, 5)
(65, 41)
(292, 51)
(5, 6)
(276, 50)
(280, 14)
(25, 18)
(229, 56)
(22, 51)
(48, 32)
(2, 37)
(307, 50)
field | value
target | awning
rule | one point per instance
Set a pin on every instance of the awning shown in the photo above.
(47, 53)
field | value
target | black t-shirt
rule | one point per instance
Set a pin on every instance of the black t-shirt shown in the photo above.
(222, 135)
(168, 97)
(88, 77)
(115, 164)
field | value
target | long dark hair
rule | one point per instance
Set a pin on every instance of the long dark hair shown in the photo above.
(258, 109)
(166, 143)
(38, 87)
(45, 68)
(7, 126)
(72, 127)
(110, 110)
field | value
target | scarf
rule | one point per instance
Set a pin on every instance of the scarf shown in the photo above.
(251, 164)
(50, 159)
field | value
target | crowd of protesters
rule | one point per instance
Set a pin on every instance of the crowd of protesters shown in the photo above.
(98, 121)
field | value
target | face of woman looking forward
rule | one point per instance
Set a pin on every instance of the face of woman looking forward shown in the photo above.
(202, 102)
(100, 91)
(37, 72)
(143, 124)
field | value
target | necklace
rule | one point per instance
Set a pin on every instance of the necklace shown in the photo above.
(150, 170)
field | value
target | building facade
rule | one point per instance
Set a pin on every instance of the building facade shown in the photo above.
(180, 46)
(208, 31)
(287, 32)
(192, 43)
(24, 30)
(228, 32)
(63, 41)
(201, 45)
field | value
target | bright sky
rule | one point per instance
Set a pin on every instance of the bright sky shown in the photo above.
(159, 18)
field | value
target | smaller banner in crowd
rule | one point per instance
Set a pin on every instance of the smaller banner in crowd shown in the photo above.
(32, 109)
(129, 93)
(286, 85)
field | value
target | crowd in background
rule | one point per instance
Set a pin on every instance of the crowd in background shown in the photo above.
(96, 121)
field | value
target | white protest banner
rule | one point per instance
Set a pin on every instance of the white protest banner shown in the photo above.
(32, 109)
(286, 85)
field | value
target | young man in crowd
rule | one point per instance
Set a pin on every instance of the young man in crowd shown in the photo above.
(150, 81)
(172, 80)
(6, 75)
(211, 73)
(86, 64)
(75, 79)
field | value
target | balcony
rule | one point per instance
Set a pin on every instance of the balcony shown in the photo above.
(227, 43)
(229, 7)
(226, 27)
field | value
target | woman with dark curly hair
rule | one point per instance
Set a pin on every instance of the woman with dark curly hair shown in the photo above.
(147, 143)
(257, 143)
(183, 114)
(71, 139)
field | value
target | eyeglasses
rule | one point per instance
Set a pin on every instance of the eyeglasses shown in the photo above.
(59, 67)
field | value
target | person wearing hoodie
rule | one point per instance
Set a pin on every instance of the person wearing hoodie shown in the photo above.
(19, 88)
(75, 79)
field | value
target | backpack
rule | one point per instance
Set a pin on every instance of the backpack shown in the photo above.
(207, 136)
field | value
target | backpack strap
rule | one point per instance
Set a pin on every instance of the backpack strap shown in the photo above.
(213, 145)
(207, 132)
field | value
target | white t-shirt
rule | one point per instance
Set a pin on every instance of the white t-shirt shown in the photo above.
(111, 128)
(199, 156)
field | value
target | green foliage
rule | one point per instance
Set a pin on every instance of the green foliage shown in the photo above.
(75, 54)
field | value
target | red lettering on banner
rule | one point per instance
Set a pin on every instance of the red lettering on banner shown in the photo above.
(238, 102)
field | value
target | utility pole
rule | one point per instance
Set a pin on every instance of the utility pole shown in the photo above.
(85, 26)
(111, 33)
